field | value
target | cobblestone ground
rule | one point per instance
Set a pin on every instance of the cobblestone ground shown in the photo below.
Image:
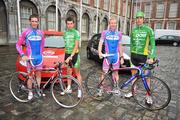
(114, 109)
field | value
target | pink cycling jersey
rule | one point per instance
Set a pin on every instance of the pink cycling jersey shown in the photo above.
(33, 39)
(112, 40)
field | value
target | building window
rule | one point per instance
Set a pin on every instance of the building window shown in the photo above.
(104, 24)
(51, 18)
(106, 4)
(95, 3)
(72, 13)
(86, 1)
(85, 23)
(113, 3)
(147, 11)
(160, 11)
(171, 25)
(158, 25)
(25, 13)
(173, 10)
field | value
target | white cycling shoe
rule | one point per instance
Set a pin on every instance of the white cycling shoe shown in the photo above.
(66, 91)
(149, 100)
(128, 95)
(30, 95)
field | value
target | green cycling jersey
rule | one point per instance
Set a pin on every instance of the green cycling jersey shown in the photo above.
(70, 36)
(143, 42)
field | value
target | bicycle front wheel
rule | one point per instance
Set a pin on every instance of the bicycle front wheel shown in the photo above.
(99, 87)
(160, 93)
(62, 96)
(18, 86)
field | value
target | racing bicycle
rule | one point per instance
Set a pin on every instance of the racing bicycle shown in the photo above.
(19, 90)
(100, 87)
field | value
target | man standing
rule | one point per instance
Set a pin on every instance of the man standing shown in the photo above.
(33, 39)
(142, 46)
(112, 41)
(72, 38)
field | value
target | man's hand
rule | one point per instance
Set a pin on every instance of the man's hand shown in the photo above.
(68, 59)
(24, 58)
(122, 60)
(150, 61)
(100, 55)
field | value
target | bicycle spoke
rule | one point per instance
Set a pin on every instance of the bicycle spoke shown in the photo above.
(160, 94)
(18, 86)
(62, 96)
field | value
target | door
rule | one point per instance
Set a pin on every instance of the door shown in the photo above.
(3, 24)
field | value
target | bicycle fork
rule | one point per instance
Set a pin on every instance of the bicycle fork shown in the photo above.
(147, 87)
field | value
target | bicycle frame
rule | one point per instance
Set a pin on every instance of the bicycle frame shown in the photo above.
(140, 74)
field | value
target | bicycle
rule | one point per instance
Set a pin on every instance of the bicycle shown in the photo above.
(19, 90)
(158, 90)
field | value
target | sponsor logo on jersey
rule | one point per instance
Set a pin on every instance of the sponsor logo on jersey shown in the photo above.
(112, 37)
(34, 38)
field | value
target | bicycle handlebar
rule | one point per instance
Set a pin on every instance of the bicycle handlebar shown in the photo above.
(107, 55)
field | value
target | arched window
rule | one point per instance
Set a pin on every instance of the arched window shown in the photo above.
(27, 8)
(85, 27)
(51, 18)
(104, 24)
(71, 13)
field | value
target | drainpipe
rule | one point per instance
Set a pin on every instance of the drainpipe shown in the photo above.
(19, 20)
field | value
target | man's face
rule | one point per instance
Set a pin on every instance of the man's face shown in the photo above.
(139, 21)
(112, 24)
(70, 24)
(34, 22)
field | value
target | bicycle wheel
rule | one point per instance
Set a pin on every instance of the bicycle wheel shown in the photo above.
(68, 99)
(18, 86)
(96, 89)
(160, 93)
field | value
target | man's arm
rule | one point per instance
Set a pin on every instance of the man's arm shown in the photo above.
(19, 43)
(100, 44)
(76, 45)
(152, 53)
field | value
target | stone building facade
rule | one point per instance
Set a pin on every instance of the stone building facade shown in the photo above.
(91, 19)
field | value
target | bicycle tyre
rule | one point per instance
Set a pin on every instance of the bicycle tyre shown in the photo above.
(68, 100)
(160, 93)
(18, 87)
(92, 86)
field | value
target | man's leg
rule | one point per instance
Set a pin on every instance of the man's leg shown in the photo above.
(38, 78)
(79, 78)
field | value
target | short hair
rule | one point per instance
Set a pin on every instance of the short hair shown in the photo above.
(33, 16)
(69, 19)
(112, 19)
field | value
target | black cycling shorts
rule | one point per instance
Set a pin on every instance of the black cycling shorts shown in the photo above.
(138, 59)
(74, 58)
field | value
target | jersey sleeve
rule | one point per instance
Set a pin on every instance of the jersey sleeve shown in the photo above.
(20, 43)
(77, 36)
(152, 49)
(120, 37)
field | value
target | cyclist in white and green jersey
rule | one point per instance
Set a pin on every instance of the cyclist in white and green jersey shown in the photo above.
(142, 47)
(72, 38)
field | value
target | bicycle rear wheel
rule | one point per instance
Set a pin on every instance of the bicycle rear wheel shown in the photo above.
(96, 89)
(68, 99)
(160, 93)
(18, 86)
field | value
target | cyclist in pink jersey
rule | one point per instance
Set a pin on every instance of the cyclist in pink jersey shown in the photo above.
(112, 41)
(33, 39)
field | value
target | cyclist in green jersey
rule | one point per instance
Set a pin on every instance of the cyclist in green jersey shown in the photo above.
(142, 46)
(72, 38)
